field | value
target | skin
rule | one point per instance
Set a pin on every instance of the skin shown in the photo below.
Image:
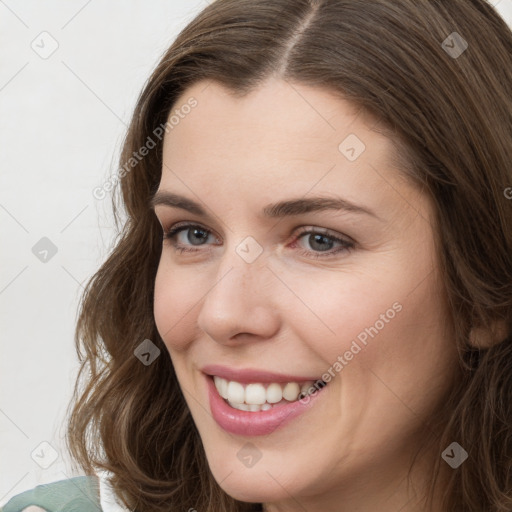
(290, 312)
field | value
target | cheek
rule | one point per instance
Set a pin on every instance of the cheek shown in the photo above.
(176, 301)
(391, 326)
(344, 313)
(407, 356)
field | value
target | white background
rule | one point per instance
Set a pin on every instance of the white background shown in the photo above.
(62, 120)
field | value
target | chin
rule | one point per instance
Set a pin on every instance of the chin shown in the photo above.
(253, 489)
(265, 482)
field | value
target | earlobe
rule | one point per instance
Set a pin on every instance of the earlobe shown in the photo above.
(483, 338)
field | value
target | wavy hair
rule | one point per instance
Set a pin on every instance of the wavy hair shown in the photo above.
(450, 119)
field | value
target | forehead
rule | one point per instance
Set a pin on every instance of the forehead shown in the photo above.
(279, 136)
(278, 113)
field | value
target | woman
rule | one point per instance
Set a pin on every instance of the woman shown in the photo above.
(309, 306)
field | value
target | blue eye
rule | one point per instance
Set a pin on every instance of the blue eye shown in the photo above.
(325, 243)
(196, 236)
(189, 237)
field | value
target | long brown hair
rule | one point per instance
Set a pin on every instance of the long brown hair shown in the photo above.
(448, 109)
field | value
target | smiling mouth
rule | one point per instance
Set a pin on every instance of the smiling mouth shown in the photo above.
(256, 397)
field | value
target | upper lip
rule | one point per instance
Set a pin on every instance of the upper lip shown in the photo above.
(249, 375)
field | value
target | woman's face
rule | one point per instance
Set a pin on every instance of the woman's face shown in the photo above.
(305, 256)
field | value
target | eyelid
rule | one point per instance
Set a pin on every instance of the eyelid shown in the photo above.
(185, 224)
(325, 231)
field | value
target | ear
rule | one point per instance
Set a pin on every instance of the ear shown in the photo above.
(482, 338)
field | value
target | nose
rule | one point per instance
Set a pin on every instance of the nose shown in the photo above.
(241, 304)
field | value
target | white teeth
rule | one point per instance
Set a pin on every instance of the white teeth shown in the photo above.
(241, 407)
(255, 394)
(256, 397)
(291, 391)
(222, 386)
(274, 393)
(235, 392)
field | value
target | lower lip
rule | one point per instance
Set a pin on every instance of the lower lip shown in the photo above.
(245, 423)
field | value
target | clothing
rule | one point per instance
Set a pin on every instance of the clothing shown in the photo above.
(78, 494)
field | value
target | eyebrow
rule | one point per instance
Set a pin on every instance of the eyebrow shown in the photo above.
(281, 209)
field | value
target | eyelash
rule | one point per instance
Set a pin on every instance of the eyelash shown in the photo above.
(348, 245)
